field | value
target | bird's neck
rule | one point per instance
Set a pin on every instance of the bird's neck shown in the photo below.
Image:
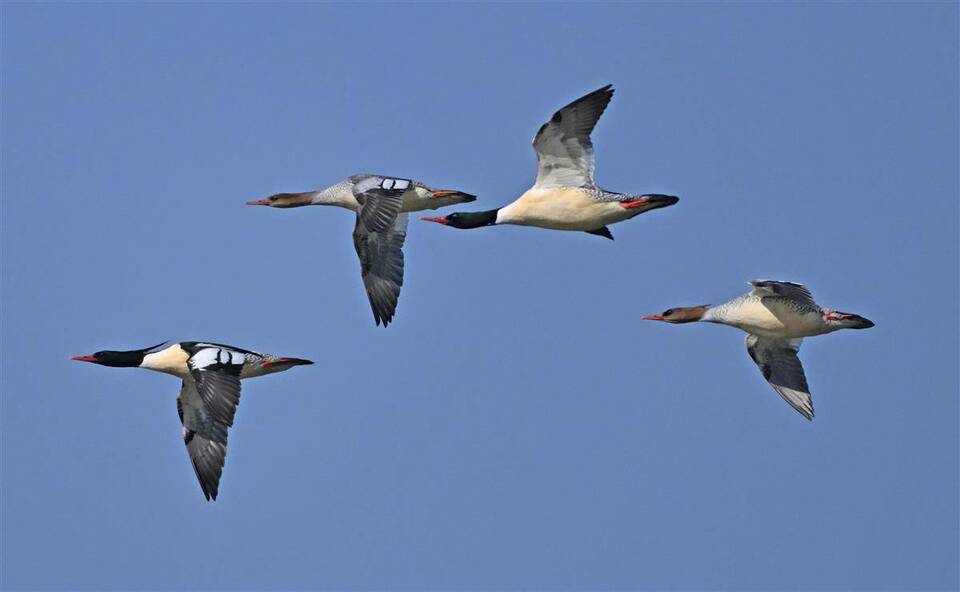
(477, 219)
(338, 195)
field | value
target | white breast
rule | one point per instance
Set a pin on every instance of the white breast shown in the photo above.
(172, 360)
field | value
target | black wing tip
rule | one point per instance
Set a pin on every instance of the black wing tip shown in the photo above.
(209, 492)
(383, 318)
(602, 231)
(768, 281)
(604, 92)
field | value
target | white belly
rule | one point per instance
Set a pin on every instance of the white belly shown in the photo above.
(562, 209)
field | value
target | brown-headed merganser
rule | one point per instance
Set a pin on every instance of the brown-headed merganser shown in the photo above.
(565, 196)
(211, 375)
(381, 204)
(776, 316)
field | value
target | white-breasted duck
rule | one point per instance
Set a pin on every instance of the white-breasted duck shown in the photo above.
(776, 317)
(381, 203)
(564, 196)
(208, 399)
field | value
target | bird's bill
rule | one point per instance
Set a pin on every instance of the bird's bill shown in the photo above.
(653, 317)
(83, 358)
(437, 219)
(290, 361)
(259, 202)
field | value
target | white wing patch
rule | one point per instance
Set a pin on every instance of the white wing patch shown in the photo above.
(216, 356)
(395, 184)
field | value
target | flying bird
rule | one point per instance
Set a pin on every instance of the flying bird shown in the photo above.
(565, 196)
(776, 317)
(211, 375)
(381, 204)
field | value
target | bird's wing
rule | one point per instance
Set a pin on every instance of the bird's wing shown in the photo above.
(380, 200)
(216, 371)
(790, 290)
(204, 436)
(780, 366)
(381, 265)
(563, 146)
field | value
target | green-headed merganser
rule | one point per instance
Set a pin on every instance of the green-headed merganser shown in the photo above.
(211, 375)
(381, 204)
(565, 196)
(776, 316)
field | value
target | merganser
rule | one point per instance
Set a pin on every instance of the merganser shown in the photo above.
(565, 196)
(211, 375)
(380, 203)
(776, 316)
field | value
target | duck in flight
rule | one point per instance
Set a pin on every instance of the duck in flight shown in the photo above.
(565, 196)
(211, 375)
(381, 204)
(776, 317)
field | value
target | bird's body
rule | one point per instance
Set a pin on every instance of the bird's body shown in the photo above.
(209, 393)
(565, 208)
(565, 196)
(776, 317)
(770, 316)
(381, 203)
(415, 196)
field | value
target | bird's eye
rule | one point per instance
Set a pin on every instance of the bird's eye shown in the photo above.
(668, 312)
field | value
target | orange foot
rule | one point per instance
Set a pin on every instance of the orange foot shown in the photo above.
(628, 205)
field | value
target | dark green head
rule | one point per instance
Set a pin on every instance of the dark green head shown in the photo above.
(465, 219)
(118, 359)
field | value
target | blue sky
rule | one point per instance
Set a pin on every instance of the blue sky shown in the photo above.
(518, 426)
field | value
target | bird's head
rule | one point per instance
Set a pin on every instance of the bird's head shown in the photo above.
(118, 359)
(680, 314)
(465, 220)
(284, 200)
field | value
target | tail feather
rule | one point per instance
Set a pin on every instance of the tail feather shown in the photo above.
(465, 197)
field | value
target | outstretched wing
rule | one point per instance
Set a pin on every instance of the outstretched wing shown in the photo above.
(381, 265)
(563, 146)
(207, 404)
(204, 436)
(216, 370)
(780, 366)
(796, 292)
(380, 200)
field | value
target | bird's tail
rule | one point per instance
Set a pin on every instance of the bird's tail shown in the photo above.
(453, 196)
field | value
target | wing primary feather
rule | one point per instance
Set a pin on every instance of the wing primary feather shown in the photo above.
(780, 366)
